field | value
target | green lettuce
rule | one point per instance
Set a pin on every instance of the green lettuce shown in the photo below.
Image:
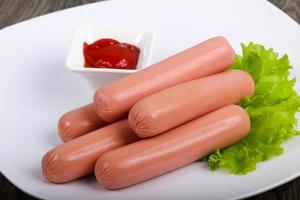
(272, 111)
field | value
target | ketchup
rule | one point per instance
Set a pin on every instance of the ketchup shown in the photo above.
(109, 53)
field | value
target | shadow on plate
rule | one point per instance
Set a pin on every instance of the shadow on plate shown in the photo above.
(52, 139)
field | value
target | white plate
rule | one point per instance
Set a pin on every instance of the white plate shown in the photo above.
(36, 89)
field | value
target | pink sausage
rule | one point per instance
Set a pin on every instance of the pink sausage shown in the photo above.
(77, 157)
(78, 122)
(185, 144)
(181, 103)
(114, 100)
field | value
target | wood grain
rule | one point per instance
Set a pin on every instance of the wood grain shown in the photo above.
(290, 7)
(13, 11)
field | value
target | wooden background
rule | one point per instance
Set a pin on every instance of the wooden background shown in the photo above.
(13, 11)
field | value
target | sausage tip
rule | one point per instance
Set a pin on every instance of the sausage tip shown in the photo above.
(102, 104)
(103, 173)
(78, 122)
(243, 119)
(251, 85)
(243, 114)
(64, 128)
(140, 118)
(246, 81)
(49, 163)
(228, 48)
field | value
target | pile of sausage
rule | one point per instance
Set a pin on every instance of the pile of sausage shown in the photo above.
(154, 121)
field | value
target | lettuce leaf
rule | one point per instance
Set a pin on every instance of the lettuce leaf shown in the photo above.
(272, 111)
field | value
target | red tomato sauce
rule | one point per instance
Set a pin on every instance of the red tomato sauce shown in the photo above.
(110, 53)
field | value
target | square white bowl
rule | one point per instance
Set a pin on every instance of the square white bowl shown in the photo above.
(144, 39)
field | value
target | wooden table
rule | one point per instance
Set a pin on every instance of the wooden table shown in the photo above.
(13, 11)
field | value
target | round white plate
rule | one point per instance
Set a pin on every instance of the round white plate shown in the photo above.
(36, 88)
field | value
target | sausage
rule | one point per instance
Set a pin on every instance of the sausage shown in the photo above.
(77, 157)
(114, 100)
(181, 103)
(185, 144)
(78, 122)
